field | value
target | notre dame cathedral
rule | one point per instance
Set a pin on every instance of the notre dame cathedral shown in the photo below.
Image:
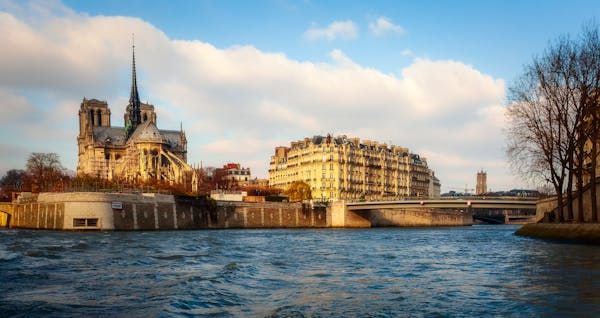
(137, 152)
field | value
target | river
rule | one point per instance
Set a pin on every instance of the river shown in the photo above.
(387, 272)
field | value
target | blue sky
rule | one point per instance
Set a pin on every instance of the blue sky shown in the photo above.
(497, 37)
(246, 76)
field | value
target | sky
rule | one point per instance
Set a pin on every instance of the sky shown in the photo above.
(243, 77)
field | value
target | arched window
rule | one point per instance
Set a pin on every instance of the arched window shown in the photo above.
(92, 117)
(145, 117)
(99, 122)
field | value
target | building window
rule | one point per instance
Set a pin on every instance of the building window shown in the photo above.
(99, 114)
(80, 222)
(92, 117)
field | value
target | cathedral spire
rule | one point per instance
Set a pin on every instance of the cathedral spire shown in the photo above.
(135, 114)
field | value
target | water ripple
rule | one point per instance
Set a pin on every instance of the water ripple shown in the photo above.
(459, 272)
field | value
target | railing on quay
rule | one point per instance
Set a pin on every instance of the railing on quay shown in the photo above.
(456, 198)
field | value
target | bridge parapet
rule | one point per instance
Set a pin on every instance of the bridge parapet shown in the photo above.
(445, 204)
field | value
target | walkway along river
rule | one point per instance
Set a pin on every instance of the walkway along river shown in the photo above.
(448, 271)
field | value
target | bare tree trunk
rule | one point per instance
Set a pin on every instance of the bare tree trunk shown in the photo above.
(570, 192)
(580, 173)
(580, 217)
(594, 163)
(559, 209)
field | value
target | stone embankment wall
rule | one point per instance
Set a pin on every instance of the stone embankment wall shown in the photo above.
(6, 210)
(546, 206)
(578, 232)
(100, 211)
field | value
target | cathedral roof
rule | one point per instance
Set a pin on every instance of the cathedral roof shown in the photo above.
(148, 132)
(173, 139)
(110, 135)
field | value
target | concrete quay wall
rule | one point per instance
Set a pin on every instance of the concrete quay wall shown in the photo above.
(112, 211)
(576, 232)
(100, 211)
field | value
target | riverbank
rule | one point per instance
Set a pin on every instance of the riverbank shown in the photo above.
(576, 232)
(130, 212)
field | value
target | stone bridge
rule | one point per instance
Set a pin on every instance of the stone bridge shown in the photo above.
(440, 212)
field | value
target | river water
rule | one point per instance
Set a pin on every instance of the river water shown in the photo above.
(388, 272)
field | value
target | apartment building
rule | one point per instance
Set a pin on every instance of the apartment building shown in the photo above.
(350, 169)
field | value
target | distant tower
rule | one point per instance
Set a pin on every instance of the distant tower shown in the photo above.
(481, 187)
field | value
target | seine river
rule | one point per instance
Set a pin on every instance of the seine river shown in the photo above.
(433, 272)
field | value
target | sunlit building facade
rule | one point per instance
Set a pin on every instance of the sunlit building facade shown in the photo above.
(138, 152)
(350, 169)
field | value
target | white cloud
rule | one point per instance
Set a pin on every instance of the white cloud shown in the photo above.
(407, 52)
(337, 29)
(13, 106)
(238, 103)
(383, 26)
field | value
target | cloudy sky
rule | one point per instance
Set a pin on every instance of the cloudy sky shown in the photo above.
(245, 76)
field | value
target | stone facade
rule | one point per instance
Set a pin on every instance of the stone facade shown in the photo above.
(348, 169)
(435, 186)
(481, 187)
(137, 152)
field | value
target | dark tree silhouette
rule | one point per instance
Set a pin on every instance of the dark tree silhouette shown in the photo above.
(552, 113)
(45, 172)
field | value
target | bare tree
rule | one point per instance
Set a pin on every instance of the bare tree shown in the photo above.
(13, 181)
(552, 113)
(543, 118)
(589, 82)
(45, 171)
